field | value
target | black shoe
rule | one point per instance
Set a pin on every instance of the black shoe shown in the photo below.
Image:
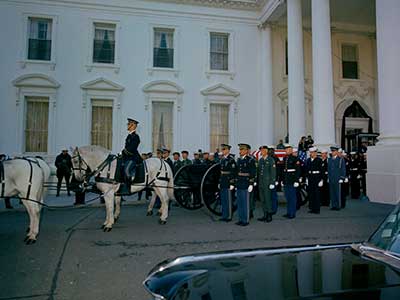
(251, 215)
(335, 208)
(291, 217)
(9, 207)
(239, 223)
(58, 195)
(269, 218)
(69, 194)
(285, 216)
(263, 219)
(244, 224)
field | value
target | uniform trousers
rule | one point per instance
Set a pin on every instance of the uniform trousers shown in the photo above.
(335, 194)
(243, 203)
(266, 199)
(226, 203)
(291, 198)
(274, 201)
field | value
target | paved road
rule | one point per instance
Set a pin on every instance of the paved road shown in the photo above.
(74, 259)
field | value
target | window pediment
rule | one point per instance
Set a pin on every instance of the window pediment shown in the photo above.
(102, 84)
(220, 90)
(162, 86)
(36, 80)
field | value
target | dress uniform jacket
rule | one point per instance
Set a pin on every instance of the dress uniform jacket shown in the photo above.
(177, 164)
(228, 172)
(325, 188)
(246, 172)
(354, 166)
(291, 170)
(186, 162)
(130, 151)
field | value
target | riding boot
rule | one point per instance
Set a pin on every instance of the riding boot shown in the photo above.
(269, 218)
(263, 219)
(8, 203)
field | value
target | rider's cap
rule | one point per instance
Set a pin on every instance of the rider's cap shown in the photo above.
(130, 120)
(176, 153)
(226, 146)
(312, 149)
(264, 147)
(165, 150)
(244, 146)
(184, 151)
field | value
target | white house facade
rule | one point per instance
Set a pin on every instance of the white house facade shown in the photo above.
(196, 73)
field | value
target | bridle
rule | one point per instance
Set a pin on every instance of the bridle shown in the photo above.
(83, 167)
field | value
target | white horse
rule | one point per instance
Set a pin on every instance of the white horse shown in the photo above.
(24, 178)
(91, 161)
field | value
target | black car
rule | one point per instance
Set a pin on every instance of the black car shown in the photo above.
(368, 270)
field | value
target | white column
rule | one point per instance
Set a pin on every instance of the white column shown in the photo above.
(323, 101)
(383, 177)
(266, 111)
(296, 100)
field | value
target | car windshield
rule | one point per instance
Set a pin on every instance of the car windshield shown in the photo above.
(387, 237)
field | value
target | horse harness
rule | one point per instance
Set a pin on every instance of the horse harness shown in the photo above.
(30, 160)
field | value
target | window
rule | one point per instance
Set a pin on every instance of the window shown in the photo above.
(104, 43)
(219, 124)
(37, 124)
(101, 132)
(163, 48)
(162, 125)
(219, 51)
(349, 62)
(39, 42)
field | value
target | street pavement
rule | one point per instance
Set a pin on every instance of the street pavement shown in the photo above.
(74, 259)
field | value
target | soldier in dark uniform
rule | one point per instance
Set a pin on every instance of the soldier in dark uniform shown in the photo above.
(177, 163)
(266, 175)
(345, 185)
(130, 156)
(325, 187)
(363, 172)
(185, 159)
(278, 169)
(246, 166)
(336, 176)
(166, 152)
(64, 169)
(196, 160)
(354, 165)
(291, 175)
(313, 170)
(226, 182)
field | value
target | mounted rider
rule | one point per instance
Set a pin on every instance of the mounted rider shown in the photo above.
(130, 154)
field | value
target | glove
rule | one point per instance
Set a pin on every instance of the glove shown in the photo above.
(321, 183)
(271, 186)
(346, 180)
(359, 177)
(296, 184)
(300, 179)
(219, 186)
(276, 182)
(255, 183)
(340, 180)
(282, 183)
(231, 187)
(250, 188)
(306, 181)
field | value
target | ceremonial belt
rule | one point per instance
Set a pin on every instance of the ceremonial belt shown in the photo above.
(326, 173)
(290, 170)
(354, 169)
(243, 174)
(313, 172)
(225, 172)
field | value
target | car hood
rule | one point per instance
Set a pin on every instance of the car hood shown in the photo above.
(326, 272)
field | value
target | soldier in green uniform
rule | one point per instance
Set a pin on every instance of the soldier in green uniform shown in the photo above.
(266, 175)
(185, 159)
(177, 163)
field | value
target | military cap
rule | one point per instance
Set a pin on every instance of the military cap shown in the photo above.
(295, 149)
(226, 146)
(287, 146)
(271, 147)
(176, 153)
(150, 154)
(264, 147)
(159, 150)
(334, 148)
(324, 150)
(312, 149)
(206, 153)
(246, 146)
(130, 120)
(184, 151)
(165, 150)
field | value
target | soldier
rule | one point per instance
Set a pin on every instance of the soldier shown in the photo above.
(266, 175)
(344, 191)
(291, 175)
(336, 175)
(226, 182)
(64, 169)
(159, 153)
(313, 167)
(363, 173)
(274, 191)
(196, 160)
(177, 164)
(130, 156)
(185, 160)
(354, 165)
(325, 187)
(206, 159)
(165, 155)
(246, 166)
